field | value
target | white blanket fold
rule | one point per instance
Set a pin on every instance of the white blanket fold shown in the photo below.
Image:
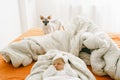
(44, 61)
(19, 53)
(28, 49)
(105, 55)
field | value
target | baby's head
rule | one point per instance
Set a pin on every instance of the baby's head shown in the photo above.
(59, 63)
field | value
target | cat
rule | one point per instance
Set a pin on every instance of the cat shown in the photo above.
(51, 25)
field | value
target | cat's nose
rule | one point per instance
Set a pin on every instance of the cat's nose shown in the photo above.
(46, 22)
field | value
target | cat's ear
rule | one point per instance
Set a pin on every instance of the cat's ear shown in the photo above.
(49, 17)
(41, 17)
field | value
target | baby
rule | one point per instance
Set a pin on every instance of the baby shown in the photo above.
(60, 70)
(59, 64)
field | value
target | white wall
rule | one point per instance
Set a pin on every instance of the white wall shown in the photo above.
(105, 13)
(9, 21)
(31, 13)
(27, 14)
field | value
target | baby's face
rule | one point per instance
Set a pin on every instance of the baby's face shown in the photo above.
(59, 64)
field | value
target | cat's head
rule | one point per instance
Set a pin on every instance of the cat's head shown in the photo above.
(45, 20)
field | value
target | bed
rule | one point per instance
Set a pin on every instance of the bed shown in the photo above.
(8, 72)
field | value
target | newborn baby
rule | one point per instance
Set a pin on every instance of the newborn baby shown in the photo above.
(60, 70)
